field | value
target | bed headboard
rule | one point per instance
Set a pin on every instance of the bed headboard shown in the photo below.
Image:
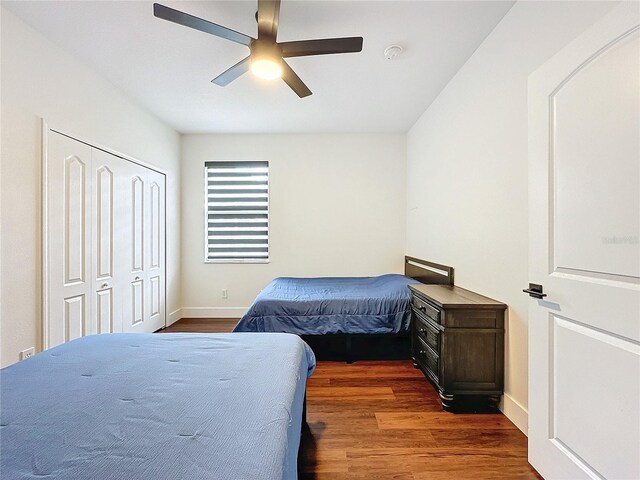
(428, 272)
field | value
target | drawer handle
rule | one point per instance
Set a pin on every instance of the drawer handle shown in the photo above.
(423, 330)
(104, 285)
(422, 308)
(423, 352)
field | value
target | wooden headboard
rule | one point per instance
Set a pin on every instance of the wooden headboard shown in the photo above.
(428, 272)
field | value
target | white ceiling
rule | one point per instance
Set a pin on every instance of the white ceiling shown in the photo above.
(167, 68)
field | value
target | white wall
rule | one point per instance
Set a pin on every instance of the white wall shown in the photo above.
(337, 206)
(467, 169)
(39, 79)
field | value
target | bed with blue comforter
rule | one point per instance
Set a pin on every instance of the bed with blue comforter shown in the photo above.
(157, 407)
(331, 305)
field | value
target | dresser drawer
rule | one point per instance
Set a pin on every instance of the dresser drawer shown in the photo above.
(426, 309)
(428, 358)
(427, 331)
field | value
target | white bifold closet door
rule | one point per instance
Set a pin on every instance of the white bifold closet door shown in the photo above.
(105, 237)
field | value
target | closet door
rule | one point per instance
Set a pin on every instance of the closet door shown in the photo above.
(135, 312)
(104, 243)
(143, 256)
(67, 230)
(110, 239)
(155, 252)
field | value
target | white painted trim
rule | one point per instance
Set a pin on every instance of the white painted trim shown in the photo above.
(44, 191)
(174, 316)
(213, 312)
(515, 412)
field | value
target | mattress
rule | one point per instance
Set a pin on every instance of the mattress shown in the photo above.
(330, 305)
(163, 406)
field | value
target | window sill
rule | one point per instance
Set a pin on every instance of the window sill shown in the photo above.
(238, 261)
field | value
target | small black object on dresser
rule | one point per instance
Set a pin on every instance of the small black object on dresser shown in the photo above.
(457, 340)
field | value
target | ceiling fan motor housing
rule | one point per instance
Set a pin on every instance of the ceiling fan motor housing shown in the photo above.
(265, 49)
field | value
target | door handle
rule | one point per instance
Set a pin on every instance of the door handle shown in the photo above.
(535, 291)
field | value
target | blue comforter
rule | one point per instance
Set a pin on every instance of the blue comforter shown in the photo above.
(317, 306)
(164, 406)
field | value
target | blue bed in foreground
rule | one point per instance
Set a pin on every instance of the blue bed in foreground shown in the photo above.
(331, 305)
(156, 406)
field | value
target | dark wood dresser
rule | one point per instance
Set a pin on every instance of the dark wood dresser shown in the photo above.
(457, 340)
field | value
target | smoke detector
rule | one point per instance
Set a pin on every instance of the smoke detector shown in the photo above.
(392, 51)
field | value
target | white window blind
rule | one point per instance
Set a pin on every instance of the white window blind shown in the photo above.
(237, 211)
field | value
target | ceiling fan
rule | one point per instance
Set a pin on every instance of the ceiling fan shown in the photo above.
(266, 58)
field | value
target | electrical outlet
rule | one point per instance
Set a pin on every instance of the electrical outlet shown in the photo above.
(28, 353)
(225, 293)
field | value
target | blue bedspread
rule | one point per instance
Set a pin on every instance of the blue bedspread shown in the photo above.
(317, 306)
(163, 406)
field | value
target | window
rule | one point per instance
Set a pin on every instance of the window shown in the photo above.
(237, 216)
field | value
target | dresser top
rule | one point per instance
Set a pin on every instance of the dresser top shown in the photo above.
(451, 296)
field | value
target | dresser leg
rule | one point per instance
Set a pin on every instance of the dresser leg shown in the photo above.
(447, 402)
(493, 401)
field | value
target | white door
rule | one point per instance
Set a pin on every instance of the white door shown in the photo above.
(144, 298)
(104, 225)
(584, 210)
(110, 238)
(155, 252)
(68, 236)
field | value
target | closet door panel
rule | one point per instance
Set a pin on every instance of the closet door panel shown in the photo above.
(155, 241)
(155, 230)
(75, 220)
(105, 311)
(134, 255)
(68, 239)
(137, 222)
(109, 231)
(74, 317)
(137, 302)
(154, 283)
(104, 222)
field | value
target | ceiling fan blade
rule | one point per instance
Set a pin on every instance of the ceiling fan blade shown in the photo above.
(293, 80)
(232, 73)
(268, 14)
(324, 46)
(187, 20)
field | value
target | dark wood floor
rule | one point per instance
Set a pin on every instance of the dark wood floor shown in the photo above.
(382, 420)
(203, 325)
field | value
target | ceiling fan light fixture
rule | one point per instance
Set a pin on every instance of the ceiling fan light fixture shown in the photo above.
(266, 68)
(266, 60)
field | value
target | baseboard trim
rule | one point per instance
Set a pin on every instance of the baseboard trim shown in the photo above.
(515, 412)
(212, 312)
(174, 316)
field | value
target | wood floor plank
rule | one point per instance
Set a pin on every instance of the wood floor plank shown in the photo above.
(365, 475)
(491, 438)
(441, 420)
(201, 325)
(327, 460)
(350, 393)
(381, 420)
